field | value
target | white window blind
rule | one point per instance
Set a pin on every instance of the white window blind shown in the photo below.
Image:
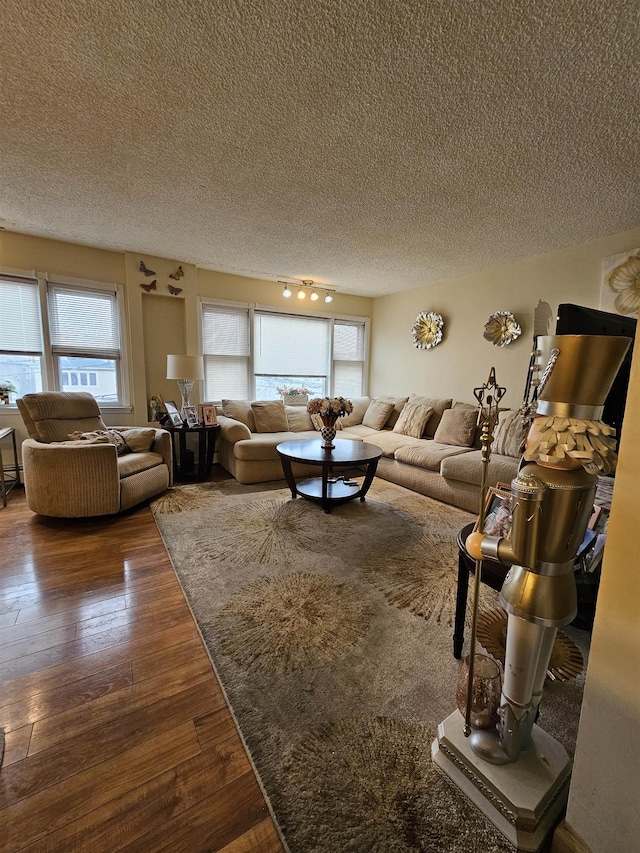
(226, 350)
(348, 358)
(83, 322)
(20, 329)
(287, 344)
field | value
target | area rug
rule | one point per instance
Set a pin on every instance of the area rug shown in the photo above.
(332, 637)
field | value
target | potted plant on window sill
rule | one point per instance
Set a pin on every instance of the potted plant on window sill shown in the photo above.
(294, 395)
(6, 388)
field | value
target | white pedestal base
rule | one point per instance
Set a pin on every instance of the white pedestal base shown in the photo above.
(524, 800)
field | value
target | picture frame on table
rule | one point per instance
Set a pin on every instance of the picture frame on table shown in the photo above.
(497, 513)
(173, 413)
(209, 414)
(191, 414)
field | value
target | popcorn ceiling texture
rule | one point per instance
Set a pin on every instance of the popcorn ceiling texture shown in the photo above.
(372, 146)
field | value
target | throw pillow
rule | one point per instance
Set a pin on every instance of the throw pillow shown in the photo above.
(298, 418)
(457, 427)
(270, 416)
(509, 434)
(398, 405)
(438, 405)
(413, 419)
(102, 436)
(360, 405)
(139, 439)
(239, 410)
(377, 414)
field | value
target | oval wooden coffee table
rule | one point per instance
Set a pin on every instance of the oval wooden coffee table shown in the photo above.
(328, 489)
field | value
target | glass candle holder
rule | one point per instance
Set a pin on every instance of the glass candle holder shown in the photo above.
(486, 691)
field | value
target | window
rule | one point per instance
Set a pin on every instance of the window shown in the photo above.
(85, 334)
(82, 324)
(255, 353)
(225, 347)
(21, 347)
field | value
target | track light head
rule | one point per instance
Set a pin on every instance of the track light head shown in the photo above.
(328, 297)
(301, 293)
(286, 292)
(314, 296)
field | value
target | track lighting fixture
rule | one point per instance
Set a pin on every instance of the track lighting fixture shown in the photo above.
(303, 286)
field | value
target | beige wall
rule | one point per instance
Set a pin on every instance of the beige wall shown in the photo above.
(157, 322)
(463, 360)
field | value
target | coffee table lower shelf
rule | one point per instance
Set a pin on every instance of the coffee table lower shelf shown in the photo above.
(336, 492)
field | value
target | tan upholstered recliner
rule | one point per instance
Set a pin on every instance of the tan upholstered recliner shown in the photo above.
(76, 478)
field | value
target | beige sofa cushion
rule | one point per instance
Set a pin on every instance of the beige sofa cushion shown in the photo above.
(413, 419)
(360, 406)
(133, 463)
(270, 416)
(138, 439)
(438, 405)
(377, 414)
(262, 446)
(239, 410)
(509, 433)
(398, 405)
(298, 418)
(428, 454)
(457, 427)
(390, 442)
(467, 468)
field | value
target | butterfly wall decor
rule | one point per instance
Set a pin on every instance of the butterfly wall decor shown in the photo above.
(145, 269)
(174, 291)
(177, 275)
(149, 287)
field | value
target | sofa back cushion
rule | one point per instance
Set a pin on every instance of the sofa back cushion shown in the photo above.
(360, 406)
(239, 410)
(270, 416)
(509, 433)
(413, 419)
(457, 427)
(377, 414)
(52, 415)
(298, 418)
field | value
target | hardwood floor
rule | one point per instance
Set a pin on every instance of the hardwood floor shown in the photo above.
(118, 736)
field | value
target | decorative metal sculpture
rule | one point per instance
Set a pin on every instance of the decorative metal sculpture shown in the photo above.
(502, 328)
(427, 330)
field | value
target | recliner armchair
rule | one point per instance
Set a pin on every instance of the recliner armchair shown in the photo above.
(69, 478)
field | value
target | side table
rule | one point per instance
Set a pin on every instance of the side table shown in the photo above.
(7, 485)
(185, 466)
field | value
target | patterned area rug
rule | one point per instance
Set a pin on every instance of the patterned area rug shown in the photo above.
(332, 636)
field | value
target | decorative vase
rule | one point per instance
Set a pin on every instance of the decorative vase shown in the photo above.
(485, 698)
(328, 433)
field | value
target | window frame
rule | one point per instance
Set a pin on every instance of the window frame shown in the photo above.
(254, 308)
(48, 360)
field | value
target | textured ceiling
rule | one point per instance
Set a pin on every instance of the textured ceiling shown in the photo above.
(371, 146)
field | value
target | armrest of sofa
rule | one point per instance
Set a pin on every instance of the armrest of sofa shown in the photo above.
(232, 430)
(71, 478)
(162, 445)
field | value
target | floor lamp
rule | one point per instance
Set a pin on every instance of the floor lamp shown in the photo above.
(186, 369)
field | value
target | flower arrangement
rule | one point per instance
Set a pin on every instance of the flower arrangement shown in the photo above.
(329, 408)
(293, 391)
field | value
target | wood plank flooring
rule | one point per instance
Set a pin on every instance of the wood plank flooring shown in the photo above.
(118, 736)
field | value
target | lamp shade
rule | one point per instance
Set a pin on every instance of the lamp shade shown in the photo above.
(184, 367)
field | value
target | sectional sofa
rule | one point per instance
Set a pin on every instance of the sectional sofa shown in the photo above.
(429, 445)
